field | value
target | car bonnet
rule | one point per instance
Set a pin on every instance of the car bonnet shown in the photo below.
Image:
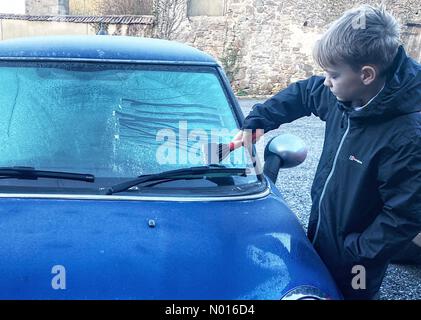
(155, 249)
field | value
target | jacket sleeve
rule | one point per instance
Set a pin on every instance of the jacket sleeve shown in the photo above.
(399, 178)
(298, 100)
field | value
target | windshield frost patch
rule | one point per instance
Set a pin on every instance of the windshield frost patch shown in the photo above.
(105, 120)
(269, 261)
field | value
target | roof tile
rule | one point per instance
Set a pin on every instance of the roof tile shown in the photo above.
(83, 19)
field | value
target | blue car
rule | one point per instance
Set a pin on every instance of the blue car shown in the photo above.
(106, 191)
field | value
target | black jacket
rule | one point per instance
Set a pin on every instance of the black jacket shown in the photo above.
(366, 194)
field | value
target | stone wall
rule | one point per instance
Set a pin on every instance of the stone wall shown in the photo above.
(17, 26)
(263, 45)
(20, 28)
(266, 44)
(412, 38)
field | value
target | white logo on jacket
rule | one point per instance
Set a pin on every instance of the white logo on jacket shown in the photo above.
(352, 158)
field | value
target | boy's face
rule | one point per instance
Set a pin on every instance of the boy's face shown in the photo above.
(345, 83)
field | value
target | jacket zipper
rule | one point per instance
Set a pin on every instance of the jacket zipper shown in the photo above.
(342, 119)
(328, 179)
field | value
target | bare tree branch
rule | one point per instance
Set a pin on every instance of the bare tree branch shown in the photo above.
(169, 16)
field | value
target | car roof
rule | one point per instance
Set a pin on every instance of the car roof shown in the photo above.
(103, 48)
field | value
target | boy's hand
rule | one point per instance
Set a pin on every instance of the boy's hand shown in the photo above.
(247, 137)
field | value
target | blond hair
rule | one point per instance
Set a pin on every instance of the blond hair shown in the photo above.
(364, 35)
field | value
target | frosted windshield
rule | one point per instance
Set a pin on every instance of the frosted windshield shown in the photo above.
(111, 121)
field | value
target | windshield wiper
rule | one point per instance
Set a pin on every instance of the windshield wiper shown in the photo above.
(29, 173)
(186, 173)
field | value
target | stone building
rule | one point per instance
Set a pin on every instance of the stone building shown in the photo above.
(263, 45)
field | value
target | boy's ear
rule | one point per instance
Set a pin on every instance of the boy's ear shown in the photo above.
(368, 74)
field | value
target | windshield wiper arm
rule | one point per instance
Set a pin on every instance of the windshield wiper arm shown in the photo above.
(178, 174)
(29, 173)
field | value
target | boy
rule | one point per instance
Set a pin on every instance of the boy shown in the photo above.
(366, 194)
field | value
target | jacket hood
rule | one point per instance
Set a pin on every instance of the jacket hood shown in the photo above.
(401, 93)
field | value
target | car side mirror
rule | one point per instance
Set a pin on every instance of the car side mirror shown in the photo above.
(284, 151)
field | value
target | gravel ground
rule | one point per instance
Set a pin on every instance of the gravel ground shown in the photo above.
(401, 282)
